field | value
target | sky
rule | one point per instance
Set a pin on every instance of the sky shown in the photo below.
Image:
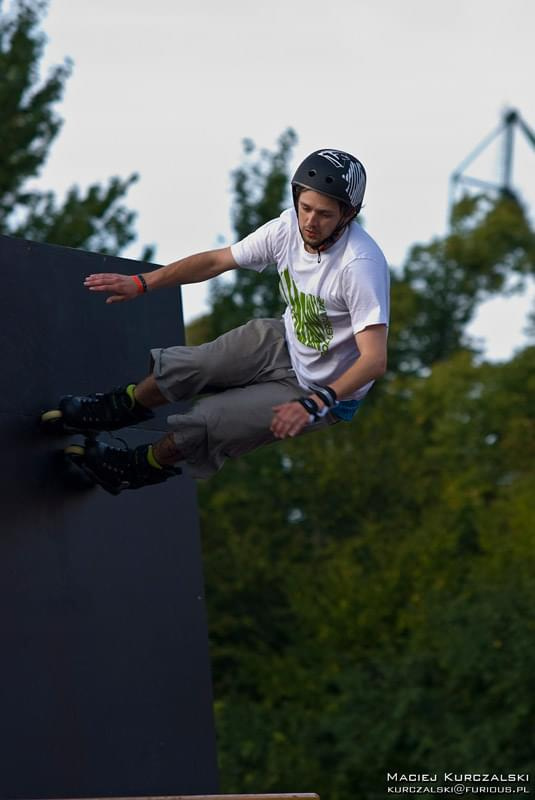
(170, 88)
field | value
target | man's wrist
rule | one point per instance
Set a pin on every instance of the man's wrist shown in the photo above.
(141, 283)
(317, 400)
(325, 396)
(153, 279)
(314, 409)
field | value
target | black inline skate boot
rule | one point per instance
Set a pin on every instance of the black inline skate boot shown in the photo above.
(116, 469)
(97, 412)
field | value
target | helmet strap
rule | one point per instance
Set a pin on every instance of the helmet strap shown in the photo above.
(334, 236)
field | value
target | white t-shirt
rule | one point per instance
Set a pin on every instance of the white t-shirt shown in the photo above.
(329, 300)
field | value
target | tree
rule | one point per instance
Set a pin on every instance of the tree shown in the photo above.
(95, 219)
(370, 589)
(389, 624)
(261, 193)
(490, 249)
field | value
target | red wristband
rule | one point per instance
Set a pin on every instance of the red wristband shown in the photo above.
(140, 283)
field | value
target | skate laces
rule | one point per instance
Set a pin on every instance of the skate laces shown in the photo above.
(133, 458)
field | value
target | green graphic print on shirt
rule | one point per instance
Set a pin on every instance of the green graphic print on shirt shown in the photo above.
(311, 323)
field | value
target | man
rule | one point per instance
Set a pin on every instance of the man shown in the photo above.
(269, 379)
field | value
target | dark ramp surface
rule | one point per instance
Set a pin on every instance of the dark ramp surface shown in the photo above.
(105, 682)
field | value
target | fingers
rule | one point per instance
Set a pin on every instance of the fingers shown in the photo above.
(121, 287)
(101, 282)
(289, 420)
(281, 430)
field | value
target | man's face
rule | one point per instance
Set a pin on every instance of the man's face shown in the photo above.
(318, 217)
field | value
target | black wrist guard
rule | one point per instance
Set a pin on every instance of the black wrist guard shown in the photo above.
(310, 405)
(327, 395)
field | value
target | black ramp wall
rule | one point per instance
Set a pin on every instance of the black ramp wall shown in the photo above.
(104, 671)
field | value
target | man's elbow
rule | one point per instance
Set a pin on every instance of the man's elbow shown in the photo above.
(381, 370)
(379, 366)
(222, 260)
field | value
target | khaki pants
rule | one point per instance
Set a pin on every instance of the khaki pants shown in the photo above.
(239, 377)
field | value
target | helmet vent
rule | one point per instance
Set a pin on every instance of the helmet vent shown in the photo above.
(334, 173)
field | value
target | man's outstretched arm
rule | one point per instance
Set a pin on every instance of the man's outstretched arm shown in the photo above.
(192, 269)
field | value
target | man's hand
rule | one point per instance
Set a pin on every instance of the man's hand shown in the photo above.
(120, 287)
(289, 419)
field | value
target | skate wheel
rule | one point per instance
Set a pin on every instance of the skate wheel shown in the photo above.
(52, 420)
(74, 473)
(75, 450)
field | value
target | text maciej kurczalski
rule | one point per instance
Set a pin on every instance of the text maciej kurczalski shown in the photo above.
(454, 777)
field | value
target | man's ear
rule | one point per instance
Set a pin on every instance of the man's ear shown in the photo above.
(349, 215)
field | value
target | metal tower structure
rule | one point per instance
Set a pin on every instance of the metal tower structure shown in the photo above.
(511, 121)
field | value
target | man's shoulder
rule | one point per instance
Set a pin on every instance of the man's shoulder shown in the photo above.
(288, 221)
(284, 224)
(360, 245)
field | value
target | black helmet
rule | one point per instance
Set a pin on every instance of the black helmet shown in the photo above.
(334, 173)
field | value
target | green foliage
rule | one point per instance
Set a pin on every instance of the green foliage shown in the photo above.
(95, 219)
(371, 589)
(387, 624)
(261, 193)
(490, 249)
